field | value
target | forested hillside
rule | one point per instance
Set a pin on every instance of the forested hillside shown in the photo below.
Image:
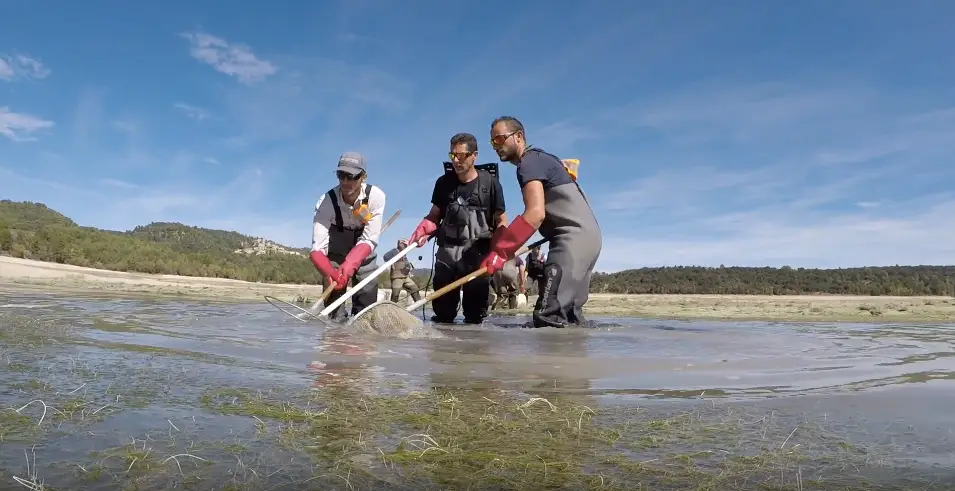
(34, 231)
(892, 280)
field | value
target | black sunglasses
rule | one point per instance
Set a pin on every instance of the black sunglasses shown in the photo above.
(342, 175)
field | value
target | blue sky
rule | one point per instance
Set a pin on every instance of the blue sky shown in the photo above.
(810, 133)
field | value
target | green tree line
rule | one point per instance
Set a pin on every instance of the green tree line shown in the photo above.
(34, 231)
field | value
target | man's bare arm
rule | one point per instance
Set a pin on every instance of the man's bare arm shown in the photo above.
(533, 193)
(435, 214)
(500, 219)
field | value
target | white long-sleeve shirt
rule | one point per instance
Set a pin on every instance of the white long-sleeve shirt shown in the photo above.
(324, 218)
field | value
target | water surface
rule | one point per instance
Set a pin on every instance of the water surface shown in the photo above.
(884, 385)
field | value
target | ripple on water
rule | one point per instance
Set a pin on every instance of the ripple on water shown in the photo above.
(636, 361)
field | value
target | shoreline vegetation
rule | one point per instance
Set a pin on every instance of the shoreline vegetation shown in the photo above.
(41, 249)
(18, 274)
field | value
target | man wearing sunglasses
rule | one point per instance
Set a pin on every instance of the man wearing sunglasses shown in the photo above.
(467, 206)
(555, 206)
(346, 229)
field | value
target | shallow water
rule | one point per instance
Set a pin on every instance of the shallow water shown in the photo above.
(884, 385)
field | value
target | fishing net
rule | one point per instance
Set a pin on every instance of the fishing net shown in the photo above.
(388, 319)
(303, 315)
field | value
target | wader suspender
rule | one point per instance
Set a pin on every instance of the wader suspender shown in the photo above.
(562, 166)
(339, 222)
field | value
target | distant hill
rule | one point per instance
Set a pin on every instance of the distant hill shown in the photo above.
(190, 239)
(891, 280)
(34, 231)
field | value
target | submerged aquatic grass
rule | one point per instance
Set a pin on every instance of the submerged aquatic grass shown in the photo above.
(191, 432)
(498, 440)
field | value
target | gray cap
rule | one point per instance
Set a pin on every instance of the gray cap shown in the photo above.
(352, 163)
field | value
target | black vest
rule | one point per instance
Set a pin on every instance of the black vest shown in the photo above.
(479, 201)
(535, 267)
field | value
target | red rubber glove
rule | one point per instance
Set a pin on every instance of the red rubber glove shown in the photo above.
(322, 264)
(498, 233)
(354, 259)
(513, 237)
(423, 232)
(493, 262)
(505, 243)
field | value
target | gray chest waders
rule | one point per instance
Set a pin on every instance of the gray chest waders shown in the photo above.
(463, 240)
(575, 244)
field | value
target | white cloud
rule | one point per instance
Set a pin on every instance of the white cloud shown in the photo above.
(192, 112)
(561, 135)
(309, 90)
(118, 183)
(21, 127)
(923, 236)
(236, 60)
(837, 177)
(131, 204)
(22, 66)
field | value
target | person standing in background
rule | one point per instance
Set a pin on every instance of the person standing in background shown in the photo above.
(508, 282)
(401, 272)
(535, 271)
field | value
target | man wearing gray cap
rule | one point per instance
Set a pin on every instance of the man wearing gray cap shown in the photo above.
(346, 229)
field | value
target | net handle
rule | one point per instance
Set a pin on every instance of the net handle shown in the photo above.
(327, 291)
(451, 286)
(373, 276)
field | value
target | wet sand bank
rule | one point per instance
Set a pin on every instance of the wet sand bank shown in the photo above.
(23, 274)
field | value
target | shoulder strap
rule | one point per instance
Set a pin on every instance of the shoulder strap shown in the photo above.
(490, 167)
(338, 211)
(486, 179)
(367, 194)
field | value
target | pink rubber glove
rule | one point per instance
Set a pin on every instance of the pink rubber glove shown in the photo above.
(354, 259)
(423, 232)
(322, 264)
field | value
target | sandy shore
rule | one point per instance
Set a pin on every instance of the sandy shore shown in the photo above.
(23, 274)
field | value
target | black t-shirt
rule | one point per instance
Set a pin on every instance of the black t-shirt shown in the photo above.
(449, 183)
(543, 167)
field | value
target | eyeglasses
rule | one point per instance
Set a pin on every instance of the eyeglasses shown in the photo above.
(459, 156)
(342, 176)
(500, 139)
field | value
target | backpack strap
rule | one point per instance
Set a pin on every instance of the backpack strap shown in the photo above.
(490, 167)
(339, 223)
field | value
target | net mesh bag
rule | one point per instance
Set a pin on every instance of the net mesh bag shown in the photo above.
(387, 319)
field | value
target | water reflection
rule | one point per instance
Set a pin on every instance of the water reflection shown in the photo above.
(342, 360)
(867, 376)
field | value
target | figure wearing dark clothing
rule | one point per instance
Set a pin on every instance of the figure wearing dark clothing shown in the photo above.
(467, 208)
(575, 239)
(557, 208)
(535, 271)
